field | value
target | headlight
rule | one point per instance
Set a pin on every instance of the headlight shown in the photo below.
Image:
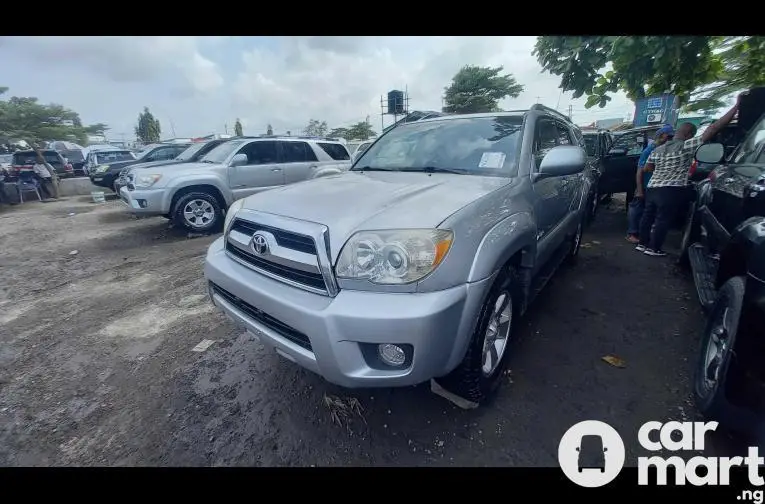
(102, 168)
(393, 256)
(231, 212)
(146, 180)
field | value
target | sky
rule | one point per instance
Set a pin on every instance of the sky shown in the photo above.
(197, 86)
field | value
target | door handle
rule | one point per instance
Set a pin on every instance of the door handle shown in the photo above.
(276, 169)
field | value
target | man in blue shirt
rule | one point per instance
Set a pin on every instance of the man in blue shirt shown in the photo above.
(635, 211)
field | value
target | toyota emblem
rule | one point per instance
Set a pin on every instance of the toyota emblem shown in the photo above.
(259, 244)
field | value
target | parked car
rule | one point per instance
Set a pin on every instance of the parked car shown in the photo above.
(26, 159)
(196, 195)
(192, 154)
(416, 263)
(620, 163)
(597, 143)
(724, 244)
(105, 175)
(76, 158)
(360, 148)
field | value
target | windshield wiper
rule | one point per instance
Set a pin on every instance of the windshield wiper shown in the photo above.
(434, 169)
(372, 168)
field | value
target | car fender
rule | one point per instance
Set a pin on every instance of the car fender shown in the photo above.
(184, 181)
(513, 234)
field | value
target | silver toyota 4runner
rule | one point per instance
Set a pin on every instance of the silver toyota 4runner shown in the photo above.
(196, 195)
(416, 262)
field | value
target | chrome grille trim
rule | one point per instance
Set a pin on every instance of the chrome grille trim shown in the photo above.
(290, 241)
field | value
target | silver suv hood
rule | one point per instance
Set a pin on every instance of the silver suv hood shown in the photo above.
(357, 201)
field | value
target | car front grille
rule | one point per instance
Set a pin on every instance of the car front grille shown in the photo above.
(284, 330)
(289, 257)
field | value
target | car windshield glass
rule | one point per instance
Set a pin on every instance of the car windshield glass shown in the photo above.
(113, 157)
(468, 145)
(752, 144)
(74, 155)
(191, 151)
(222, 152)
(589, 143)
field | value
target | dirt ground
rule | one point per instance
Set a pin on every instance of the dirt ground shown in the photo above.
(99, 313)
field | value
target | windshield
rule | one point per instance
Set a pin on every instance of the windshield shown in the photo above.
(73, 155)
(470, 145)
(113, 157)
(222, 152)
(190, 152)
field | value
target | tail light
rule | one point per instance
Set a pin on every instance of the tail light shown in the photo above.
(694, 166)
(68, 167)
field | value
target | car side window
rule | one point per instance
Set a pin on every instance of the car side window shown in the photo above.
(258, 153)
(297, 152)
(564, 136)
(752, 145)
(546, 137)
(177, 150)
(159, 154)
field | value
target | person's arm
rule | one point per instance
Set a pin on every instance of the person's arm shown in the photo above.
(650, 164)
(715, 127)
(639, 183)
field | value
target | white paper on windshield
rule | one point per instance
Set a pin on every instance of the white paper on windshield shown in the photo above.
(494, 160)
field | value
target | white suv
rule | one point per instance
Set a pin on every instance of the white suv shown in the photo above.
(196, 195)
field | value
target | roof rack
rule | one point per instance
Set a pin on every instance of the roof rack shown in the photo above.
(551, 111)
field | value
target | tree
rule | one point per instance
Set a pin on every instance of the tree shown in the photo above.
(148, 129)
(238, 128)
(269, 130)
(639, 66)
(24, 118)
(479, 89)
(338, 133)
(316, 128)
(360, 131)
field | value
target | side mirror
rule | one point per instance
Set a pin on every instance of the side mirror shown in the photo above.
(617, 152)
(239, 160)
(563, 160)
(711, 153)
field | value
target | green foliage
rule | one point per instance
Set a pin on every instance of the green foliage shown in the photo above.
(316, 128)
(24, 118)
(148, 129)
(479, 89)
(362, 130)
(238, 128)
(338, 133)
(640, 66)
(270, 130)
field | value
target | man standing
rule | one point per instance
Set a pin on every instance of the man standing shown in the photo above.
(46, 176)
(637, 205)
(667, 189)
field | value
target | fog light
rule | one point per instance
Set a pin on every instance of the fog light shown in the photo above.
(391, 355)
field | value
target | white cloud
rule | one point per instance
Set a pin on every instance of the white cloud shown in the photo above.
(200, 84)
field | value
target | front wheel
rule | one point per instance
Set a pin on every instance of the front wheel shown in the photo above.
(198, 212)
(478, 375)
(717, 350)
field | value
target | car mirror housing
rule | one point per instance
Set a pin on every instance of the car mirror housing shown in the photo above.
(563, 160)
(711, 153)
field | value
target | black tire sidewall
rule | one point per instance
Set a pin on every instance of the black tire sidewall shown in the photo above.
(178, 219)
(468, 380)
(712, 403)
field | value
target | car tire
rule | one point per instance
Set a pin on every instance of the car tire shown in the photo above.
(712, 369)
(198, 212)
(691, 234)
(475, 378)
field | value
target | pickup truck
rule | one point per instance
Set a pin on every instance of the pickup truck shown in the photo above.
(417, 262)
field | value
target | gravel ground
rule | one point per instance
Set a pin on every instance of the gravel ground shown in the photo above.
(99, 313)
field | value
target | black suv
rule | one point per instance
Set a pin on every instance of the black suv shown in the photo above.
(620, 164)
(597, 144)
(724, 245)
(106, 175)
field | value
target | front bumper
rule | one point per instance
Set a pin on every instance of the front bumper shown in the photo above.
(345, 330)
(144, 202)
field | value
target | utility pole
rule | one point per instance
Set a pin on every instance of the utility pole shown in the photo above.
(225, 128)
(570, 111)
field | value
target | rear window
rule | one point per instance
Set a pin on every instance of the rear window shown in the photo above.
(113, 157)
(73, 155)
(337, 152)
(30, 158)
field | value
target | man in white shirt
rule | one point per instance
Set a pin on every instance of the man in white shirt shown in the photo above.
(44, 174)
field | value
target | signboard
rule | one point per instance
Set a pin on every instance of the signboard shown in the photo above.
(656, 110)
